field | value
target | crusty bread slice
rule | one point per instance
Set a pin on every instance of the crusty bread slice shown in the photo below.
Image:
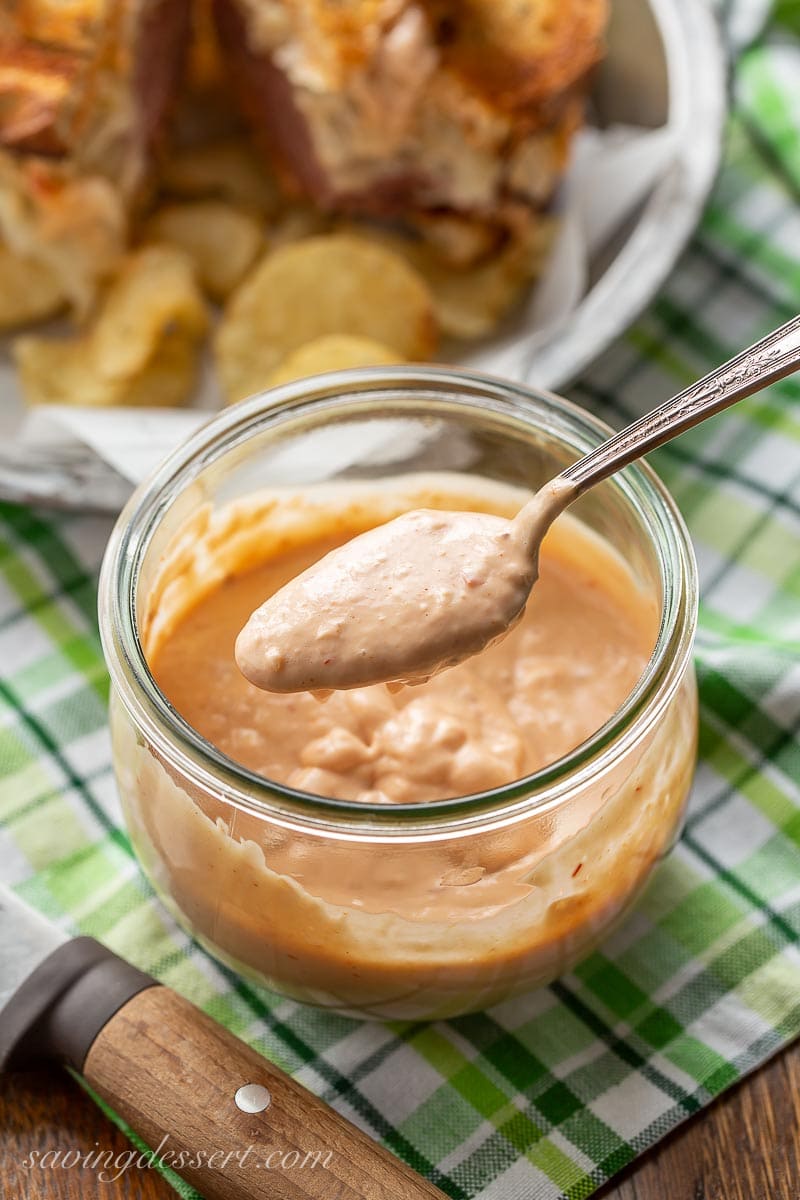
(416, 109)
(91, 80)
(62, 24)
(85, 86)
(336, 37)
(521, 53)
(71, 224)
(35, 89)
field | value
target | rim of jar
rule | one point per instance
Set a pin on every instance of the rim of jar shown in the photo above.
(534, 409)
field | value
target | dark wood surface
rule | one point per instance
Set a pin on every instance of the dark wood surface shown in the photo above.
(746, 1146)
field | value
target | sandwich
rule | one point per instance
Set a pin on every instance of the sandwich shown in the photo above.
(85, 91)
(452, 117)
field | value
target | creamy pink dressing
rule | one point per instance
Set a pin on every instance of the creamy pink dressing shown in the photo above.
(527, 700)
(401, 602)
(426, 925)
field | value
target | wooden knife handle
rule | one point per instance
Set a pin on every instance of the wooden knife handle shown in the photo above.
(172, 1073)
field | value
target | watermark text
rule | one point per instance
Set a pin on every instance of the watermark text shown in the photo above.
(110, 1165)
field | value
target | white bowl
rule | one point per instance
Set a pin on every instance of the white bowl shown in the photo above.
(665, 66)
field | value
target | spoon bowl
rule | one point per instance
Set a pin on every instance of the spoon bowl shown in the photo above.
(427, 590)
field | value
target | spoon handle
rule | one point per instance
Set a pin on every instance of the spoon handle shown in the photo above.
(770, 359)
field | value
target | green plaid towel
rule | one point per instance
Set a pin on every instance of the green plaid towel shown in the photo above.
(549, 1095)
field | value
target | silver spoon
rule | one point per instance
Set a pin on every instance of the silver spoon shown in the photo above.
(431, 588)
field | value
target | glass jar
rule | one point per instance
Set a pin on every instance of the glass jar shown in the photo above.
(394, 911)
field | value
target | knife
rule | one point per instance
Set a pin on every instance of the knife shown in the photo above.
(179, 1079)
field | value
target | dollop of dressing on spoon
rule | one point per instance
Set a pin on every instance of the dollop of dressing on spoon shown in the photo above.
(401, 601)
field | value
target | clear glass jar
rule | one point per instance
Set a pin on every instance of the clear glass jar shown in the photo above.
(534, 873)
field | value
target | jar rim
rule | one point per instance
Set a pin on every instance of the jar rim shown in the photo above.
(200, 760)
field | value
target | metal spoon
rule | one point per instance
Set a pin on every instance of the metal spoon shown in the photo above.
(429, 589)
(769, 359)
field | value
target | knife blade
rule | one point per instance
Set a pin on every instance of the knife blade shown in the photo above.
(220, 1114)
(26, 939)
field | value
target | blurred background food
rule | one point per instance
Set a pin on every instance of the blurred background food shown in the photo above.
(452, 116)
(86, 88)
(349, 181)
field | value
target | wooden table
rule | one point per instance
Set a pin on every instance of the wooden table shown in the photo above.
(746, 1146)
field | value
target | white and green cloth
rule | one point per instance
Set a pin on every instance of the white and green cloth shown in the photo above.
(551, 1094)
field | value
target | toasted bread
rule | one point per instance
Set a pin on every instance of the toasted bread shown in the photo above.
(35, 89)
(336, 37)
(90, 81)
(73, 225)
(85, 86)
(416, 109)
(520, 53)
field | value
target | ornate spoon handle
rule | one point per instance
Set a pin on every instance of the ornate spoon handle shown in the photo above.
(770, 359)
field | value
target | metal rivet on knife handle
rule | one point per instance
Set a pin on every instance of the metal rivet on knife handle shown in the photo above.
(252, 1098)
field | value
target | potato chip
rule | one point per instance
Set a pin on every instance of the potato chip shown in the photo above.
(154, 294)
(29, 291)
(142, 348)
(222, 241)
(458, 240)
(55, 371)
(470, 301)
(332, 353)
(334, 284)
(64, 371)
(224, 170)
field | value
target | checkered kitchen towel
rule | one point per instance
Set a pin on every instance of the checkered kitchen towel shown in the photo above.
(551, 1094)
